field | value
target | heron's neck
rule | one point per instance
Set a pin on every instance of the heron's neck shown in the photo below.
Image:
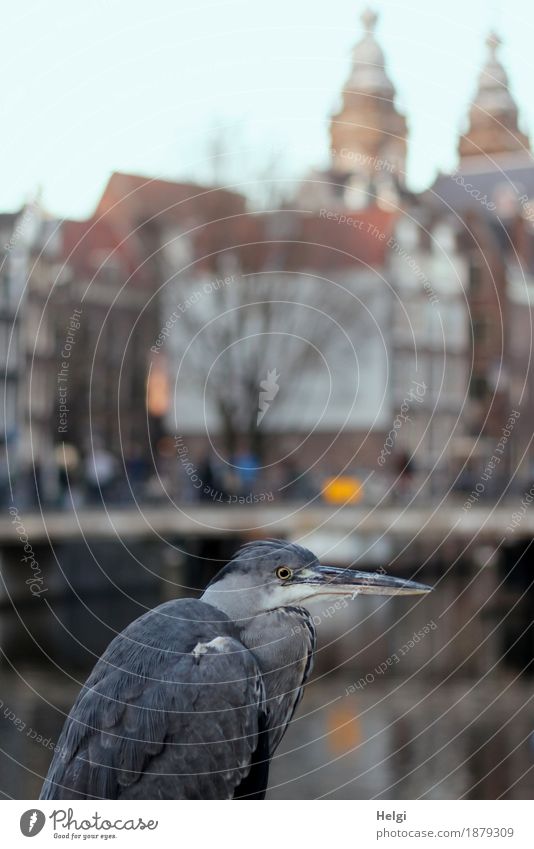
(283, 641)
(280, 638)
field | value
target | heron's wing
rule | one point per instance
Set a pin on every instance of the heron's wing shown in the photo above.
(213, 732)
(167, 725)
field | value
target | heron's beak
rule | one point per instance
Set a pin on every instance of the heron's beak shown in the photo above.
(331, 580)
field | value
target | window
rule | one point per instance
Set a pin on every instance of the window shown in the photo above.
(480, 330)
(475, 277)
(478, 387)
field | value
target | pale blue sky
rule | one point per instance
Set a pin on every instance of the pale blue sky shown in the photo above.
(92, 87)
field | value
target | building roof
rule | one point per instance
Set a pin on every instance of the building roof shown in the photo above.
(493, 189)
(133, 209)
(140, 199)
(320, 241)
(216, 225)
(86, 245)
(346, 239)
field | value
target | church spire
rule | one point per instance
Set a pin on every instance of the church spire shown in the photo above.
(368, 128)
(493, 115)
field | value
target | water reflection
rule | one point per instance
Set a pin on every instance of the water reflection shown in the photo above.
(399, 740)
(393, 740)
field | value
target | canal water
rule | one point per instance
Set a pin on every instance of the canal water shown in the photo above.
(394, 739)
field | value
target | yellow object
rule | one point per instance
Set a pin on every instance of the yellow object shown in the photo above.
(157, 388)
(343, 729)
(343, 490)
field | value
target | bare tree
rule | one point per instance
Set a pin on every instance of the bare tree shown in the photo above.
(258, 342)
(268, 327)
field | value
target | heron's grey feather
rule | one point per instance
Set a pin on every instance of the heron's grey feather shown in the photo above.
(283, 641)
(134, 731)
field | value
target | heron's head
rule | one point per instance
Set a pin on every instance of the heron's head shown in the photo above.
(272, 573)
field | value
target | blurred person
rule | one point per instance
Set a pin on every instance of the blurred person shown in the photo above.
(212, 480)
(296, 485)
(246, 466)
(405, 474)
(67, 459)
(137, 470)
(4, 475)
(100, 474)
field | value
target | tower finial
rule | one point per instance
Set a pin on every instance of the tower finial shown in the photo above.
(368, 128)
(369, 18)
(493, 42)
(493, 116)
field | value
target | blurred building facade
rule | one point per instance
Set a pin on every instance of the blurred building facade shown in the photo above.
(29, 246)
(433, 283)
(488, 201)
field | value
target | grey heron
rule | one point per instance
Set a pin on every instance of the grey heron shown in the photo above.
(191, 700)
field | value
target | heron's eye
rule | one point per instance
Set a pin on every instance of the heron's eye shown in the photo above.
(284, 573)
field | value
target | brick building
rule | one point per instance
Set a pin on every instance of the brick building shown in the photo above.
(488, 201)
